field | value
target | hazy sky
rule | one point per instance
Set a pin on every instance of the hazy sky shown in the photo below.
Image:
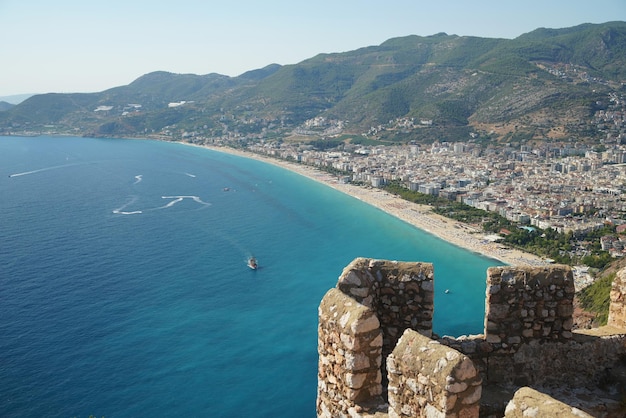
(86, 46)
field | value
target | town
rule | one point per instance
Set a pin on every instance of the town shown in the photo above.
(576, 192)
(568, 186)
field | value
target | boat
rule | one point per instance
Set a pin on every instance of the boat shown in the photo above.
(252, 263)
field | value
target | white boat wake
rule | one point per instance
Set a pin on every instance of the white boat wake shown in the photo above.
(26, 173)
(178, 199)
(121, 211)
(175, 199)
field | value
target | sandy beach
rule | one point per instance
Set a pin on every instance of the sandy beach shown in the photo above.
(419, 216)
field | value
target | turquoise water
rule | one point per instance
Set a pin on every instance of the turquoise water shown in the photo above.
(124, 290)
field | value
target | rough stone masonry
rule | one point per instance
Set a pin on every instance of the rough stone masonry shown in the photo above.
(378, 356)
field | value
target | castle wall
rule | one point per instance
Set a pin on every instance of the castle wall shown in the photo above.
(350, 354)
(360, 323)
(427, 379)
(528, 304)
(401, 294)
(528, 338)
(528, 341)
(581, 360)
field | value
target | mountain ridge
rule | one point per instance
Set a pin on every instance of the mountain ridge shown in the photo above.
(450, 86)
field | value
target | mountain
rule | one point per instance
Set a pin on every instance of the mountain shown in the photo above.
(544, 85)
(15, 98)
(5, 106)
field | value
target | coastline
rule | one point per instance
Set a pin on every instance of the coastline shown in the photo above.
(418, 216)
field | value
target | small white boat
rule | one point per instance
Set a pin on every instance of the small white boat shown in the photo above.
(252, 263)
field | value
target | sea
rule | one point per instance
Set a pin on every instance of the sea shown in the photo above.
(124, 290)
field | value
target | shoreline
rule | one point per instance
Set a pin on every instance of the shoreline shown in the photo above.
(418, 216)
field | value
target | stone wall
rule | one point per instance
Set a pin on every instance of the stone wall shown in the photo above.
(617, 309)
(360, 323)
(528, 338)
(366, 369)
(350, 354)
(427, 379)
(401, 294)
(529, 304)
(583, 359)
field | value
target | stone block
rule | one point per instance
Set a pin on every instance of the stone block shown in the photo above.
(355, 381)
(530, 403)
(365, 325)
(356, 361)
(465, 370)
(498, 311)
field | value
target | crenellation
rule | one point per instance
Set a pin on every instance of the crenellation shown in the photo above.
(377, 355)
(529, 303)
(349, 352)
(427, 376)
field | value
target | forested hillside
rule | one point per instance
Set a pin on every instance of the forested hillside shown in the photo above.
(543, 85)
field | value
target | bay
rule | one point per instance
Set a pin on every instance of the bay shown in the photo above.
(124, 290)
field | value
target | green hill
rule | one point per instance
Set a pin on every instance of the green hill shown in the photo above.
(542, 85)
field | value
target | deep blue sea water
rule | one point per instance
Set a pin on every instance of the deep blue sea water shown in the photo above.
(124, 290)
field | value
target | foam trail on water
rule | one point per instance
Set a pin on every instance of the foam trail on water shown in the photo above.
(172, 203)
(121, 211)
(180, 199)
(175, 199)
(134, 212)
(190, 175)
(25, 173)
(197, 199)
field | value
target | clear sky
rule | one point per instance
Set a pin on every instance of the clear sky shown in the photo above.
(86, 46)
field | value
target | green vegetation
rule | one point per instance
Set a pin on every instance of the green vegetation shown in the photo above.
(596, 297)
(325, 144)
(395, 105)
(491, 221)
(455, 111)
(448, 79)
(361, 140)
(415, 197)
(547, 243)
(598, 261)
